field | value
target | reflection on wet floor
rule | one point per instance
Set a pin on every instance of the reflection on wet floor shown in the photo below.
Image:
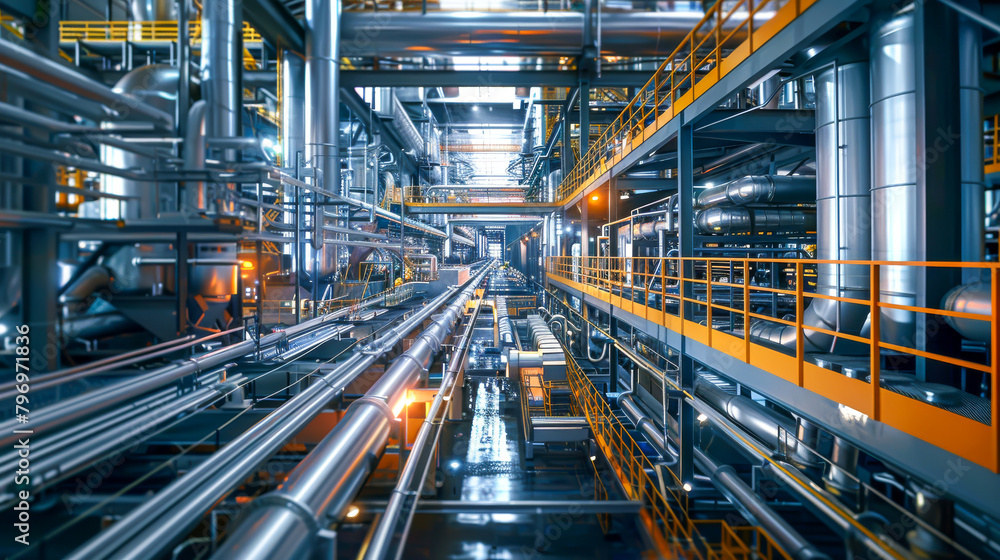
(482, 462)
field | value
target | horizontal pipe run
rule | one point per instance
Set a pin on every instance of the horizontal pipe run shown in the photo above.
(320, 488)
(161, 521)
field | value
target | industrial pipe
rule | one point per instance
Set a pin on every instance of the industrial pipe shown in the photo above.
(320, 488)
(152, 528)
(730, 220)
(762, 189)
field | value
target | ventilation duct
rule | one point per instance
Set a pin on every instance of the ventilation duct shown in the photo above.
(729, 220)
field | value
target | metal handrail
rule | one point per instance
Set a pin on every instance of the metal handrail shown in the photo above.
(627, 283)
(137, 31)
(674, 531)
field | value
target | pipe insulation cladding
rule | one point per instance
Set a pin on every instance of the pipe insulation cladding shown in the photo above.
(285, 522)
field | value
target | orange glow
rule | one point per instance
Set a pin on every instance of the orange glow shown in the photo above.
(247, 265)
(595, 198)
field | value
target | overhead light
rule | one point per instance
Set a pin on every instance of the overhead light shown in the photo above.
(454, 465)
(687, 487)
(353, 512)
(595, 198)
(593, 457)
(591, 239)
(702, 418)
(568, 229)
(624, 196)
(475, 107)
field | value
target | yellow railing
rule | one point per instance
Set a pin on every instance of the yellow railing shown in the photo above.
(95, 31)
(664, 511)
(991, 141)
(652, 288)
(726, 36)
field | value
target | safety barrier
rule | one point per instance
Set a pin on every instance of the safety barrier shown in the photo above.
(674, 293)
(664, 511)
(137, 32)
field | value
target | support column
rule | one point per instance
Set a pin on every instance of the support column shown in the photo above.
(584, 117)
(685, 188)
(585, 227)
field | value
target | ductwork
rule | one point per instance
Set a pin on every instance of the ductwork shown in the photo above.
(154, 10)
(843, 210)
(408, 132)
(534, 34)
(322, 95)
(730, 220)
(765, 189)
(320, 488)
(894, 172)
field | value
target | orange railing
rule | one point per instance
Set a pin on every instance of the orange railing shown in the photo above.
(95, 31)
(727, 34)
(664, 511)
(654, 289)
(991, 142)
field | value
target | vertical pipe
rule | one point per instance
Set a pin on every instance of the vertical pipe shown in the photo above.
(293, 100)
(220, 22)
(894, 171)
(970, 49)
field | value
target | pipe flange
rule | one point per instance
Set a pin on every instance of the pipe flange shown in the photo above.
(373, 349)
(379, 403)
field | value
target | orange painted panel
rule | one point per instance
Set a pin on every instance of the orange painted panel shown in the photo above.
(782, 365)
(854, 393)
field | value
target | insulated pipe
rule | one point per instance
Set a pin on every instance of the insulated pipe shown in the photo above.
(70, 80)
(647, 427)
(843, 210)
(729, 220)
(763, 189)
(322, 96)
(400, 34)
(763, 423)
(430, 431)
(970, 298)
(728, 481)
(321, 487)
(152, 528)
(220, 81)
(293, 106)
(51, 467)
(895, 164)
(195, 196)
(970, 47)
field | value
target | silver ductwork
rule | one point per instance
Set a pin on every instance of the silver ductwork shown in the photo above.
(729, 220)
(446, 34)
(321, 487)
(894, 172)
(156, 85)
(843, 210)
(293, 106)
(154, 10)
(766, 425)
(764, 189)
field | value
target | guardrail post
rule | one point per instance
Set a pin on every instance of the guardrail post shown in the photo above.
(799, 311)
(875, 359)
(746, 310)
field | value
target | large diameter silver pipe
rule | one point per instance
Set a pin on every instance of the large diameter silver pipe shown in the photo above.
(154, 527)
(773, 189)
(401, 34)
(894, 172)
(220, 82)
(293, 106)
(647, 427)
(971, 298)
(320, 488)
(765, 424)
(728, 220)
(970, 48)
(322, 99)
(842, 208)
